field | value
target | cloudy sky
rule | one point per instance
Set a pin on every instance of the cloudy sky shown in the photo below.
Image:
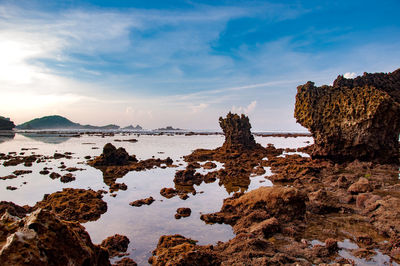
(184, 63)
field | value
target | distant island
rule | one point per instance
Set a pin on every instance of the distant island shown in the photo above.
(60, 122)
(137, 127)
(6, 123)
(168, 128)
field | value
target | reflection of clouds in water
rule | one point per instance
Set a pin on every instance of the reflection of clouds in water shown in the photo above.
(6, 136)
(47, 138)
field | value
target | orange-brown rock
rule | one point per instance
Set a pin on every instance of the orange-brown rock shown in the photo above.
(353, 119)
(115, 245)
(140, 202)
(125, 262)
(72, 204)
(243, 210)
(43, 239)
(237, 132)
(113, 156)
(182, 212)
(178, 250)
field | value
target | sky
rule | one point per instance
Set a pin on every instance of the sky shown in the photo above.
(184, 63)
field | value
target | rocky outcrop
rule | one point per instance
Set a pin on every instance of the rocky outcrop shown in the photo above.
(245, 212)
(353, 119)
(43, 239)
(237, 132)
(6, 123)
(74, 204)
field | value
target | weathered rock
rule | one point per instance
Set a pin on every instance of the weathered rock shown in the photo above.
(353, 119)
(146, 201)
(237, 132)
(361, 186)
(43, 239)
(13, 209)
(188, 177)
(74, 204)
(125, 262)
(67, 178)
(182, 212)
(115, 245)
(178, 250)
(243, 211)
(113, 156)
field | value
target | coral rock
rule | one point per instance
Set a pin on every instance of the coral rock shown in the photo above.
(237, 132)
(43, 239)
(115, 244)
(353, 119)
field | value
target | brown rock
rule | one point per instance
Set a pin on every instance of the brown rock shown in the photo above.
(178, 250)
(13, 209)
(113, 156)
(125, 262)
(237, 132)
(54, 175)
(138, 203)
(115, 244)
(353, 119)
(361, 186)
(74, 204)
(183, 212)
(43, 239)
(67, 178)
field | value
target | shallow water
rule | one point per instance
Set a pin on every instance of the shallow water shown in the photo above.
(142, 225)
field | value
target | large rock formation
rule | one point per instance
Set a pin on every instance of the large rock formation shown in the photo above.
(6, 123)
(43, 239)
(353, 119)
(237, 132)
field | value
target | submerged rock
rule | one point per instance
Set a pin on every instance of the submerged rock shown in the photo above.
(353, 119)
(43, 239)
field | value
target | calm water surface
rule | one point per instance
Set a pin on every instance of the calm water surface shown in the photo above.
(142, 225)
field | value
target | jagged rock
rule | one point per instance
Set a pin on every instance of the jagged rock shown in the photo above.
(125, 262)
(361, 186)
(43, 239)
(182, 212)
(353, 119)
(74, 204)
(237, 132)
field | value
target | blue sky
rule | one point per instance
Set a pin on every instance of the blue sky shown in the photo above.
(184, 63)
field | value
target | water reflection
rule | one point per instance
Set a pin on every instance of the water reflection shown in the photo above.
(48, 138)
(6, 135)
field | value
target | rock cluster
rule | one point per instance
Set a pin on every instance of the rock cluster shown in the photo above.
(353, 119)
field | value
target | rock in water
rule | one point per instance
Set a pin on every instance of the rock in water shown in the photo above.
(237, 132)
(353, 119)
(113, 156)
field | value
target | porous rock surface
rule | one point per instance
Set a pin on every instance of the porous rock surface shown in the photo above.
(354, 118)
(237, 132)
(43, 239)
(74, 204)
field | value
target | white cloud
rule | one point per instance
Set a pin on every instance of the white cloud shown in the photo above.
(349, 75)
(245, 110)
(198, 108)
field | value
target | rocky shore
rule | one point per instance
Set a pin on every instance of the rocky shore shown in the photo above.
(337, 206)
(348, 189)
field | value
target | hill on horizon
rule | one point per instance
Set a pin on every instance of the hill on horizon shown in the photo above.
(58, 122)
